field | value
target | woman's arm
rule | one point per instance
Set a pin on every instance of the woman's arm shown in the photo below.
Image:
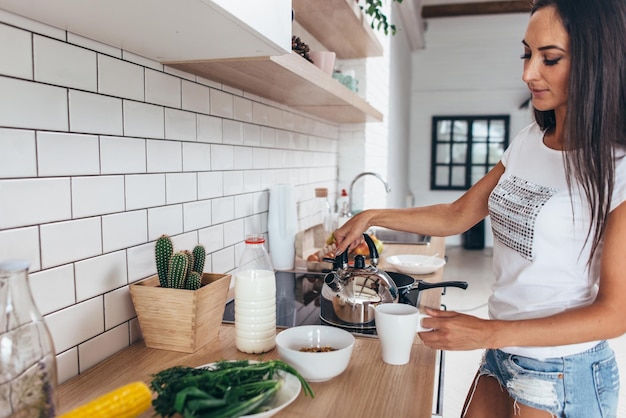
(603, 319)
(435, 220)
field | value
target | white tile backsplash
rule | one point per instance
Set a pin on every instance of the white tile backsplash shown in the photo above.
(222, 157)
(102, 346)
(242, 109)
(222, 104)
(242, 157)
(180, 187)
(165, 220)
(224, 260)
(210, 184)
(67, 364)
(122, 155)
(233, 182)
(97, 195)
(164, 156)
(71, 326)
(53, 289)
(94, 113)
(180, 125)
(22, 198)
(234, 232)
(223, 209)
(118, 307)
(99, 275)
(55, 160)
(196, 97)
(196, 156)
(143, 120)
(19, 156)
(69, 241)
(212, 238)
(26, 104)
(163, 89)
(63, 64)
(145, 191)
(120, 78)
(102, 151)
(21, 243)
(141, 262)
(123, 230)
(232, 132)
(16, 52)
(196, 215)
(209, 129)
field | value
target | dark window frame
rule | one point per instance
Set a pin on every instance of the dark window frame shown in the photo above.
(469, 163)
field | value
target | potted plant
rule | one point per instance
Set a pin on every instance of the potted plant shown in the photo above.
(373, 8)
(181, 308)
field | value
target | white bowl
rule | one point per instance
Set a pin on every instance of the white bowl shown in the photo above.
(316, 366)
(416, 264)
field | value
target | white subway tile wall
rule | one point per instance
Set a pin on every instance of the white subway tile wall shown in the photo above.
(102, 151)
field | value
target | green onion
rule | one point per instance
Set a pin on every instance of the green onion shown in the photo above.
(228, 389)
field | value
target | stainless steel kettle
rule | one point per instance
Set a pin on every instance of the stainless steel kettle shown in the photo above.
(350, 294)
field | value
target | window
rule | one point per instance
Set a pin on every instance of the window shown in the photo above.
(465, 148)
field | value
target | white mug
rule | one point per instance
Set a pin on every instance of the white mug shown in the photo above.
(396, 325)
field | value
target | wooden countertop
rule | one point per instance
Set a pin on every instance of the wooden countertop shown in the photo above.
(368, 388)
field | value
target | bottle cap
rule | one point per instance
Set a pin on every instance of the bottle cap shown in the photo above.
(255, 239)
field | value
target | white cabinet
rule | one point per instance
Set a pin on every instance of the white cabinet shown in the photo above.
(171, 30)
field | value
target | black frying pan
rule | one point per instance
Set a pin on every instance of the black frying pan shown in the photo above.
(406, 283)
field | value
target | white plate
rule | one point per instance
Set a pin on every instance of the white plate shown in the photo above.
(416, 264)
(287, 393)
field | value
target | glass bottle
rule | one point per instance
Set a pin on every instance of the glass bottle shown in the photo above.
(324, 211)
(28, 374)
(255, 298)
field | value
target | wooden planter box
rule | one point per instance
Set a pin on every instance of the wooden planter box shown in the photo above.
(179, 319)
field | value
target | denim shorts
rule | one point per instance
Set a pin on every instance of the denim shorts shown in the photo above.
(583, 385)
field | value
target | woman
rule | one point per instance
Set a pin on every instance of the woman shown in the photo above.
(556, 202)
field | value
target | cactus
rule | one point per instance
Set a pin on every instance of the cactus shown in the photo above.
(180, 270)
(177, 272)
(190, 258)
(199, 257)
(163, 249)
(194, 281)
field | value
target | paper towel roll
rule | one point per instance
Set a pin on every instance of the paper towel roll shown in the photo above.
(282, 225)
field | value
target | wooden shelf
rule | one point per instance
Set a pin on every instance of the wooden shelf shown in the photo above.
(290, 80)
(339, 25)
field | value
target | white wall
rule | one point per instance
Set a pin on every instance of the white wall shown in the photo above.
(470, 66)
(102, 151)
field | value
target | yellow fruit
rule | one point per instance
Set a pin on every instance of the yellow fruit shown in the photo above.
(331, 239)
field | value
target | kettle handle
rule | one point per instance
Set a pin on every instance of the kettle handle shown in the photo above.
(373, 250)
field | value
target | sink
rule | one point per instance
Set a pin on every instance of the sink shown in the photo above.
(391, 236)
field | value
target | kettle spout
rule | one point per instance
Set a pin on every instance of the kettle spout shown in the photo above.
(333, 282)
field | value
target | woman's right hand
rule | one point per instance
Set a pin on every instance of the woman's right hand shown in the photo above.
(350, 234)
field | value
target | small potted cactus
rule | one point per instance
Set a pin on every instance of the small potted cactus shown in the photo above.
(181, 308)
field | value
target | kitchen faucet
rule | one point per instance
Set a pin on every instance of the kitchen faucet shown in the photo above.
(358, 176)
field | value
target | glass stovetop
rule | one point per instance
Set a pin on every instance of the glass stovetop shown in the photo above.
(298, 302)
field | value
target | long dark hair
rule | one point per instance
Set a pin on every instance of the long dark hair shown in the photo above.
(596, 108)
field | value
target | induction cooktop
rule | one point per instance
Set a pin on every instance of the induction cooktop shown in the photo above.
(298, 302)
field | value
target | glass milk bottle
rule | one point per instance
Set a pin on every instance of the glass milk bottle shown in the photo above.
(255, 298)
(28, 372)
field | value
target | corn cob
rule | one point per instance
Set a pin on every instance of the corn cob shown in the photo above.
(163, 250)
(128, 401)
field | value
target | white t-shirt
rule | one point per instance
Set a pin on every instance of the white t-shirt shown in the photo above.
(540, 255)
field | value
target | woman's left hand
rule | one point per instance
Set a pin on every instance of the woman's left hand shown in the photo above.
(455, 331)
